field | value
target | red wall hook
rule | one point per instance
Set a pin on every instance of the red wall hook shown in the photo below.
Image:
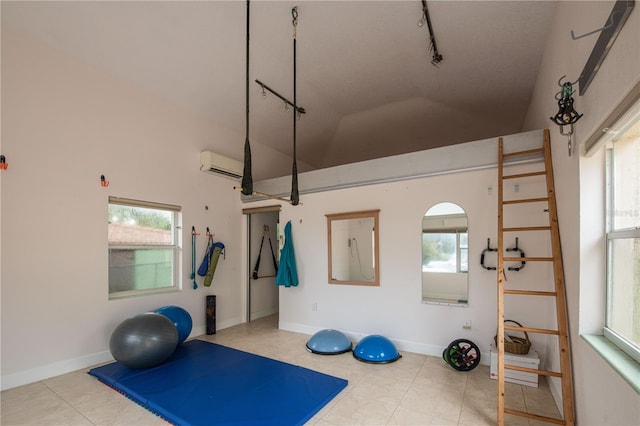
(3, 163)
(103, 181)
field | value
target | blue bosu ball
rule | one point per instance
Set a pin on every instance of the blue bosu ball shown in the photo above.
(180, 318)
(376, 349)
(329, 342)
(143, 341)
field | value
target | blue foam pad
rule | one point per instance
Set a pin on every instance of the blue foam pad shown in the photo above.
(205, 384)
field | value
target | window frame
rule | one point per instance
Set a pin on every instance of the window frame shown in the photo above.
(175, 247)
(439, 226)
(593, 259)
(612, 233)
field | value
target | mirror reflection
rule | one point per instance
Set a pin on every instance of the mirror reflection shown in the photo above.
(353, 248)
(445, 255)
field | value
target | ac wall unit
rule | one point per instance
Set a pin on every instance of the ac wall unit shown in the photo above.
(218, 164)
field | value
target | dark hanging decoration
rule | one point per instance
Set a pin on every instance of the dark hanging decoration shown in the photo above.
(566, 115)
(247, 178)
(295, 196)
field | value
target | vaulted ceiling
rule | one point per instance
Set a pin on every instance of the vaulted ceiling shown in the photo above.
(364, 71)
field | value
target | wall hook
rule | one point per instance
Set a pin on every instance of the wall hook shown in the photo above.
(3, 163)
(103, 182)
(609, 24)
(209, 233)
(522, 262)
(488, 249)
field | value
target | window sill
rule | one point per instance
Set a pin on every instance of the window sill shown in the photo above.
(444, 302)
(622, 363)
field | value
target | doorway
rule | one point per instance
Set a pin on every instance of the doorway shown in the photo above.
(262, 257)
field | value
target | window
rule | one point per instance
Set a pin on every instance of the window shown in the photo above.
(144, 247)
(622, 320)
(445, 251)
(445, 246)
(445, 255)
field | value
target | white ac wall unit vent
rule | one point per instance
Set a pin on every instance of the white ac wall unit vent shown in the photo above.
(211, 162)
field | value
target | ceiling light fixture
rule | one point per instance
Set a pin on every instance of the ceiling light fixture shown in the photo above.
(436, 57)
(286, 101)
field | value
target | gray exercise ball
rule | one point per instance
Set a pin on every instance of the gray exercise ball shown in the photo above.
(144, 341)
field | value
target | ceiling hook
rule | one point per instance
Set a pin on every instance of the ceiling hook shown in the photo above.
(609, 24)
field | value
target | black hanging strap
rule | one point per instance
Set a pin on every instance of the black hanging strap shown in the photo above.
(273, 255)
(295, 196)
(247, 178)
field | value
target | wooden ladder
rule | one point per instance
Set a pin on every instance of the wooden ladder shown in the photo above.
(558, 294)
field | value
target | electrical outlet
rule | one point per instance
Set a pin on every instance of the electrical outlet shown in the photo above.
(516, 188)
(314, 307)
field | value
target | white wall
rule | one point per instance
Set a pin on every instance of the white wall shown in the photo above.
(63, 125)
(602, 397)
(395, 308)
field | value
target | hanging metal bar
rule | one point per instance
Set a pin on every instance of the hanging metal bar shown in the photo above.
(286, 101)
(618, 16)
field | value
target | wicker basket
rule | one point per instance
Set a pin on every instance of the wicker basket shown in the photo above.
(517, 345)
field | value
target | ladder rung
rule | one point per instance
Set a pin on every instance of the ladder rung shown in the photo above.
(531, 292)
(527, 152)
(526, 200)
(527, 228)
(528, 259)
(532, 370)
(531, 330)
(534, 416)
(523, 175)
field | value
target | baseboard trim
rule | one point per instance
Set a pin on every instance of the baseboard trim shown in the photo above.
(32, 375)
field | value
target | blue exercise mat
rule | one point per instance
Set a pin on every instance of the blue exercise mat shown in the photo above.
(209, 384)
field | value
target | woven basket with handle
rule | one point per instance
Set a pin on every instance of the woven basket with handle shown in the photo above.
(514, 344)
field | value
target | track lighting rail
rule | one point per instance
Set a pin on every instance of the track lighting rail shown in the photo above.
(273, 92)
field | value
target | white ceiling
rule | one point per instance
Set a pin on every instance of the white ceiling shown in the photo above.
(364, 72)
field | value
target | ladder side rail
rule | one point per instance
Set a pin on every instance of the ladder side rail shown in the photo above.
(561, 302)
(500, 271)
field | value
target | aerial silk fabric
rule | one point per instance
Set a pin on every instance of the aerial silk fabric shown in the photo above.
(287, 271)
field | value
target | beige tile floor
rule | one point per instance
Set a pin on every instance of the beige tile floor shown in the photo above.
(415, 390)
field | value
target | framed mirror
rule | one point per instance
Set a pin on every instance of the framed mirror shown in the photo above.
(353, 248)
(445, 255)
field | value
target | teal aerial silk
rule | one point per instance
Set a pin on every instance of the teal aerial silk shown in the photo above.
(287, 271)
